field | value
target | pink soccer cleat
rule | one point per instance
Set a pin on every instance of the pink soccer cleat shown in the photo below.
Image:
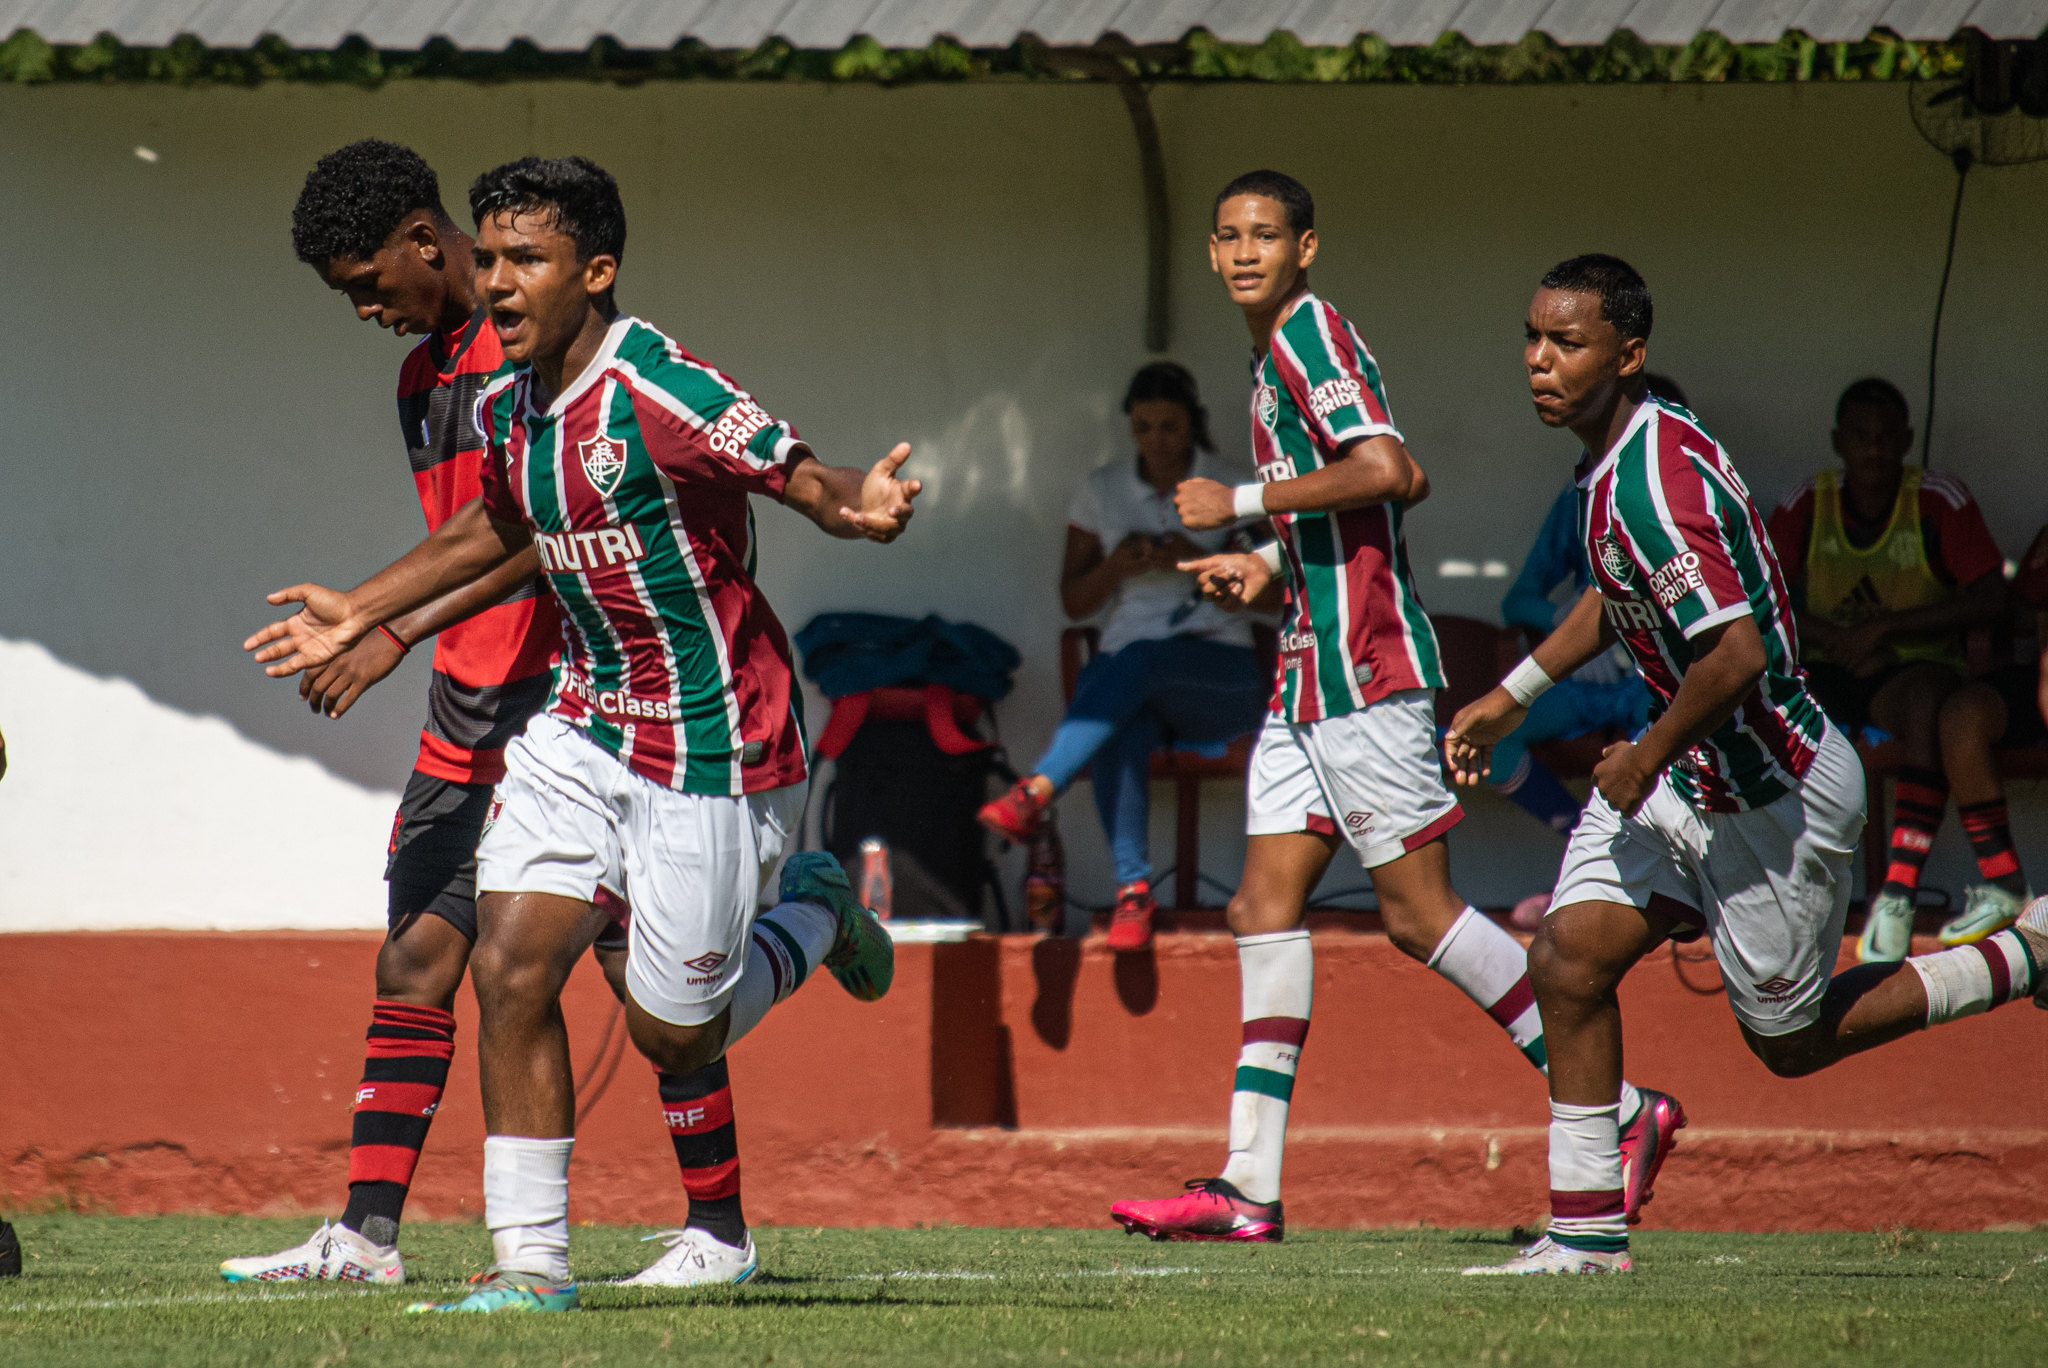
(1210, 1209)
(1645, 1144)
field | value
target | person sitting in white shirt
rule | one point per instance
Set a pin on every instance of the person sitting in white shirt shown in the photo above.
(1172, 668)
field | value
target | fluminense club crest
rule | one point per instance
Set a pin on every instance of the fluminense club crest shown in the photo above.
(1268, 405)
(1614, 560)
(604, 460)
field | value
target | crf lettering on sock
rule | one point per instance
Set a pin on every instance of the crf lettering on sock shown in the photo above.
(1278, 978)
(403, 1076)
(1920, 797)
(1975, 978)
(697, 1108)
(526, 1203)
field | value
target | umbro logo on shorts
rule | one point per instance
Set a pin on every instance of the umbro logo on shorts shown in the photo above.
(1776, 989)
(706, 963)
(1357, 823)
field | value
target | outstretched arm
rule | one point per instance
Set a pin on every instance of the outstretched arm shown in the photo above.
(1372, 470)
(851, 503)
(469, 545)
(333, 688)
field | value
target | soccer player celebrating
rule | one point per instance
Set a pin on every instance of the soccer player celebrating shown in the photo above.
(670, 759)
(1348, 752)
(369, 219)
(1735, 815)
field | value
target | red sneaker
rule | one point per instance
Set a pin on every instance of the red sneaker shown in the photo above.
(1130, 925)
(1210, 1209)
(1014, 816)
(1646, 1143)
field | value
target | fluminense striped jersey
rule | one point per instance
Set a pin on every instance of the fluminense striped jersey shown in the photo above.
(634, 483)
(1676, 547)
(1354, 629)
(491, 672)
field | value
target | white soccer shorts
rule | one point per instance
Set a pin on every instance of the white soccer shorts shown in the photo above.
(1770, 886)
(1370, 776)
(571, 818)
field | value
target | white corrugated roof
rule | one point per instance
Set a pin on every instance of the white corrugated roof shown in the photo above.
(489, 25)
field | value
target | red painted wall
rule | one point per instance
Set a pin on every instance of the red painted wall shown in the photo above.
(1016, 1082)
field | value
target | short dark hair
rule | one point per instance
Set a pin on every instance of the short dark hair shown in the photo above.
(1624, 298)
(578, 196)
(1873, 391)
(1284, 190)
(1664, 387)
(1172, 382)
(356, 196)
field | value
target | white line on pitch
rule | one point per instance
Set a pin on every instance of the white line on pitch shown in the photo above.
(137, 1303)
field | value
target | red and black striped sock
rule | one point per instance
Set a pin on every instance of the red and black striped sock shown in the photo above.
(1991, 842)
(1922, 798)
(698, 1109)
(402, 1081)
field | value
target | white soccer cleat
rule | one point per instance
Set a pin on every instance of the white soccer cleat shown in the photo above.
(697, 1258)
(334, 1254)
(1545, 1256)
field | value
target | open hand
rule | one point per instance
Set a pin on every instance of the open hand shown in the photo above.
(1620, 778)
(1204, 505)
(1473, 733)
(332, 689)
(321, 630)
(885, 500)
(1232, 579)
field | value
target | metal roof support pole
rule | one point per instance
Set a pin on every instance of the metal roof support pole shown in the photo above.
(1105, 66)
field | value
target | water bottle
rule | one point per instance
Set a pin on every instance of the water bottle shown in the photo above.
(875, 886)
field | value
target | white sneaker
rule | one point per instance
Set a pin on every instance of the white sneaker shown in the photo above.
(697, 1258)
(334, 1254)
(1547, 1257)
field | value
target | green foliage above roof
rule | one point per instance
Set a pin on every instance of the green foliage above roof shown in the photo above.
(27, 59)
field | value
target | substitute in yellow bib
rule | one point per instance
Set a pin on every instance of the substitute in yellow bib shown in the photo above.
(1891, 566)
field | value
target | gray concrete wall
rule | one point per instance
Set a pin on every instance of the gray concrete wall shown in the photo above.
(192, 420)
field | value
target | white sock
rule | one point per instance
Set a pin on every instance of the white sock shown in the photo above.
(1586, 1208)
(1278, 972)
(526, 1204)
(1975, 978)
(1491, 967)
(789, 940)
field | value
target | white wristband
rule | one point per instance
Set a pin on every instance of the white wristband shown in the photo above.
(1249, 501)
(1527, 681)
(1270, 554)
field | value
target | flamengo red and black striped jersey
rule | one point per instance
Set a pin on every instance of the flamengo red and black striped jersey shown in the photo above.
(634, 482)
(1354, 630)
(1677, 546)
(490, 673)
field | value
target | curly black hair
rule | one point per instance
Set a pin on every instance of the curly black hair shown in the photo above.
(578, 196)
(1283, 189)
(1624, 297)
(356, 196)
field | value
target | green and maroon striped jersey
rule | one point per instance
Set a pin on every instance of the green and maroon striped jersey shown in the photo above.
(634, 482)
(1676, 547)
(1354, 629)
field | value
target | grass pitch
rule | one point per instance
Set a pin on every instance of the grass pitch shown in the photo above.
(111, 1291)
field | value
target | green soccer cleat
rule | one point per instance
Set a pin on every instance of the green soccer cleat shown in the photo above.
(862, 957)
(1986, 908)
(499, 1289)
(1887, 929)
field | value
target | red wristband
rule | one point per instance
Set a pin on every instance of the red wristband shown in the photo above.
(403, 649)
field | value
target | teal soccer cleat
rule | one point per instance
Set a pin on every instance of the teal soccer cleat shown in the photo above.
(498, 1290)
(862, 957)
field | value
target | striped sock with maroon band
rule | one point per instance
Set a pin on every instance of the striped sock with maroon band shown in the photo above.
(1990, 833)
(1975, 978)
(403, 1077)
(697, 1108)
(1919, 799)
(1586, 1200)
(1490, 966)
(1278, 972)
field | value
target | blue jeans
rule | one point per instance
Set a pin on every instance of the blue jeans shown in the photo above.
(1183, 691)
